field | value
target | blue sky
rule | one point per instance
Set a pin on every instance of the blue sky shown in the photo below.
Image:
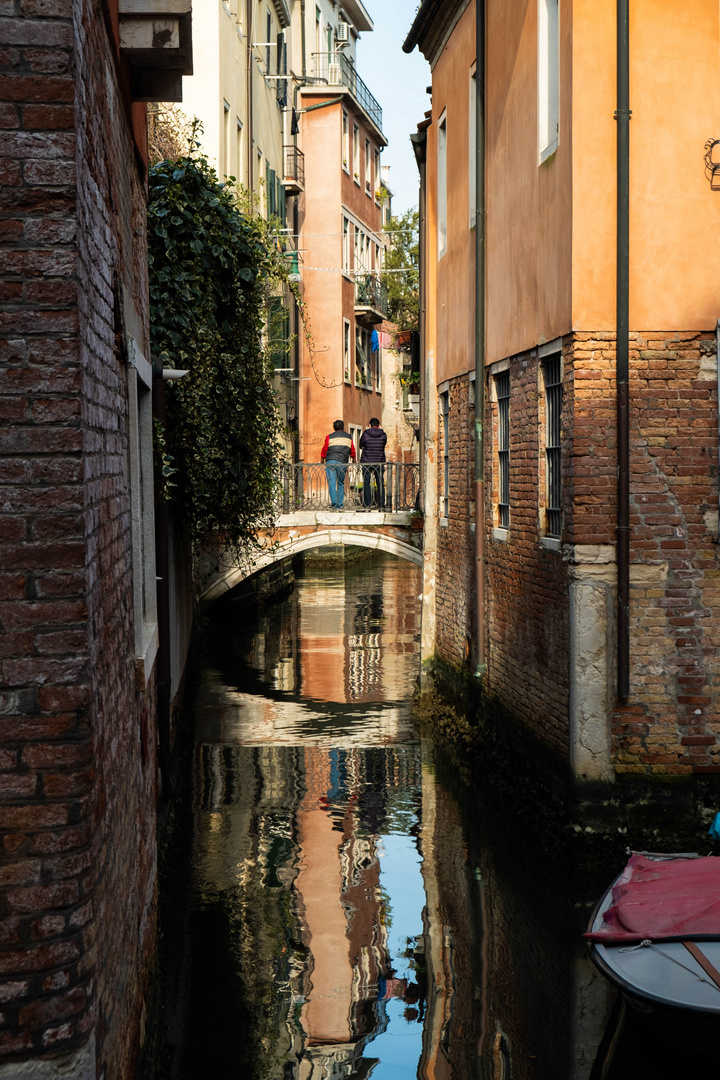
(398, 82)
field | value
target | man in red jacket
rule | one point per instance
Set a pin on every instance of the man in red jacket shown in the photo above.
(336, 452)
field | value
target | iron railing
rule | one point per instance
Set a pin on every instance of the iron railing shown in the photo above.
(294, 164)
(304, 487)
(371, 292)
(338, 71)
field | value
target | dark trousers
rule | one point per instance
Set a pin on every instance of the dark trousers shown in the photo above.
(374, 474)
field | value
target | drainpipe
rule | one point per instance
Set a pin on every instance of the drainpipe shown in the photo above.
(480, 334)
(717, 366)
(249, 92)
(622, 117)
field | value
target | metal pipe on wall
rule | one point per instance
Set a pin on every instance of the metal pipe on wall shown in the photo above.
(480, 334)
(622, 117)
(717, 377)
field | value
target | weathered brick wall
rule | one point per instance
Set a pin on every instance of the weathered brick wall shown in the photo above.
(671, 721)
(526, 585)
(455, 582)
(77, 802)
(672, 718)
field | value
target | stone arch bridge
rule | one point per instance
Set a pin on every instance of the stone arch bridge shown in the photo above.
(389, 532)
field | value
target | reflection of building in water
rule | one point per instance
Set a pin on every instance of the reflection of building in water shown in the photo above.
(332, 632)
(290, 841)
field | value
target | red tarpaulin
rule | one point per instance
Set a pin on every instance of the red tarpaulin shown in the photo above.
(679, 898)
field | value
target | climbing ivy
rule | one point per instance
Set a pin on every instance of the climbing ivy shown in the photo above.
(209, 268)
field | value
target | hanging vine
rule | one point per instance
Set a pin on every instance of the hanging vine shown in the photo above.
(209, 267)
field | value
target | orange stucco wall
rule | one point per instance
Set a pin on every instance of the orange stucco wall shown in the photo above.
(674, 214)
(327, 293)
(453, 313)
(528, 204)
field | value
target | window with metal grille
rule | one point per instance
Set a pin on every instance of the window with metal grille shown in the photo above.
(502, 386)
(552, 373)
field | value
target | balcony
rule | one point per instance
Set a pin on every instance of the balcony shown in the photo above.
(371, 299)
(293, 170)
(340, 72)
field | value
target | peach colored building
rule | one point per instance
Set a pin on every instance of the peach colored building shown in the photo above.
(338, 223)
(589, 366)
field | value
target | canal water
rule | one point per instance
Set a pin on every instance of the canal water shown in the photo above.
(351, 903)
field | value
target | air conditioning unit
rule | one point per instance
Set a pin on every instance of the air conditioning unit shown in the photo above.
(343, 32)
(334, 74)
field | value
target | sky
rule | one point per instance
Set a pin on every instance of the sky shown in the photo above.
(398, 81)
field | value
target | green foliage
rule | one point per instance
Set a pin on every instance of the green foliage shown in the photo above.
(403, 283)
(209, 268)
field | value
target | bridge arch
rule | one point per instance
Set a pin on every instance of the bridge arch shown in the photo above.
(298, 542)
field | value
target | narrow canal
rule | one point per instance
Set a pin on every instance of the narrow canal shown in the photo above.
(351, 905)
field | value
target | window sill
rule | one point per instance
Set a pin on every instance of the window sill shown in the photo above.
(444, 523)
(501, 535)
(550, 543)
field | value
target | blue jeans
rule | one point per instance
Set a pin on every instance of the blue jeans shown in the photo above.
(335, 473)
(376, 472)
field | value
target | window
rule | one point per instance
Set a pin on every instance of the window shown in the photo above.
(355, 432)
(268, 36)
(226, 137)
(346, 142)
(442, 186)
(377, 176)
(548, 77)
(140, 469)
(356, 153)
(368, 169)
(238, 148)
(346, 246)
(502, 388)
(552, 376)
(472, 143)
(363, 370)
(346, 350)
(445, 475)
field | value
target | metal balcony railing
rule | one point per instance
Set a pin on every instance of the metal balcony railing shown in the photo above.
(294, 164)
(304, 487)
(371, 292)
(340, 72)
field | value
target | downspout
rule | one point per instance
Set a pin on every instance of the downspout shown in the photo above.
(717, 377)
(419, 145)
(249, 93)
(480, 334)
(622, 117)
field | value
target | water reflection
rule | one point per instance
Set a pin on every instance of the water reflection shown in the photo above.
(353, 910)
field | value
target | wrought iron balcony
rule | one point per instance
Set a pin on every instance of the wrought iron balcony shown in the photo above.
(294, 170)
(338, 71)
(371, 298)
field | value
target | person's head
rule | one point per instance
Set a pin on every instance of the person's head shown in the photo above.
(339, 425)
(374, 422)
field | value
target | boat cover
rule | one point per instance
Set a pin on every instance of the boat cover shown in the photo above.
(659, 900)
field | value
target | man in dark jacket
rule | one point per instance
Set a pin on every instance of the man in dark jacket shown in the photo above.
(372, 456)
(336, 452)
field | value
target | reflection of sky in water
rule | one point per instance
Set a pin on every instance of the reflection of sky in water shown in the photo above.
(400, 1046)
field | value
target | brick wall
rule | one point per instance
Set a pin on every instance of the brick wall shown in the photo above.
(77, 801)
(455, 594)
(672, 718)
(671, 721)
(526, 584)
